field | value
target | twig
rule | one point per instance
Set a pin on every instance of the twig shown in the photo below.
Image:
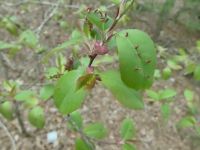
(9, 135)
(20, 121)
(120, 15)
(41, 26)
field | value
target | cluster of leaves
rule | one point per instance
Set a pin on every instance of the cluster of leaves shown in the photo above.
(186, 60)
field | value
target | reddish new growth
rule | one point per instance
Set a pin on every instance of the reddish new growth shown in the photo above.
(100, 48)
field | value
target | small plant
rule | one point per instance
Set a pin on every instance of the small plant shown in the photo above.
(165, 98)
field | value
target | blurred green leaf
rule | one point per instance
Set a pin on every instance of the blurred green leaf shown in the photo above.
(189, 95)
(4, 45)
(76, 119)
(128, 146)
(95, 130)
(6, 109)
(96, 19)
(127, 129)
(125, 95)
(166, 73)
(152, 94)
(29, 38)
(80, 144)
(186, 122)
(173, 65)
(24, 95)
(36, 117)
(197, 73)
(47, 91)
(166, 94)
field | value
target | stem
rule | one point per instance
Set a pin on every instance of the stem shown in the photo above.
(92, 58)
(85, 137)
(119, 16)
(20, 120)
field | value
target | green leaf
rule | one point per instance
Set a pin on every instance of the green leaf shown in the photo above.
(166, 73)
(6, 109)
(125, 95)
(166, 94)
(189, 68)
(95, 130)
(127, 129)
(36, 117)
(197, 73)
(67, 99)
(80, 144)
(189, 95)
(152, 94)
(173, 65)
(128, 146)
(165, 110)
(186, 122)
(24, 95)
(4, 45)
(102, 24)
(137, 58)
(29, 38)
(76, 119)
(47, 91)
(117, 2)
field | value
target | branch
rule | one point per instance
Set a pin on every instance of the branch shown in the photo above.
(9, 135)
(41, 26)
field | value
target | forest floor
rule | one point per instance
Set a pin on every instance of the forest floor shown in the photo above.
(100, 105)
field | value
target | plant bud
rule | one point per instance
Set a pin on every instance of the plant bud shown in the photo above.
(100, 48)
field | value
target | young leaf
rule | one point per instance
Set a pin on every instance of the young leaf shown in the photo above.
(67, 99)
(127, 129)
(189, 95)
(36, 117)
(152, 94)
(24, 95)
(87, 81)
(166, 73)
(125, 95)
(137, 58)
(4, 45)
(95, 19)
(186, 122)
(167, 93)
(127, 146)
(29, 38)
(47, 91)
(197, 73)
(165, 110)
(173, 65)
(76, 119)
(80, 144)
(95, 130)
(6, 109)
